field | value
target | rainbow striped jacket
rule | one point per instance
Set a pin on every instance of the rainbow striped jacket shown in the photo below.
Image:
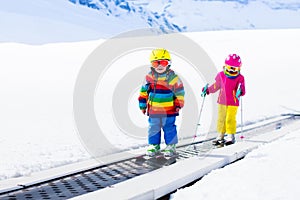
(161, 94)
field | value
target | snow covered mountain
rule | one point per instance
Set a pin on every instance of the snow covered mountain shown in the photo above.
(199, 15)
(46, 21)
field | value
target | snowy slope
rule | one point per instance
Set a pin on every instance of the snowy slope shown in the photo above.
(37, 127)
(267, 173)
(37, 85)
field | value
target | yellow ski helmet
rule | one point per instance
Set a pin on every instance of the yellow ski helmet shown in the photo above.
(160, 54)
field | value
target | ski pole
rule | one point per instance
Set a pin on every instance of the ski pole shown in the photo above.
(200, 112)
(242, 124)
(201, 109)
(239, 97)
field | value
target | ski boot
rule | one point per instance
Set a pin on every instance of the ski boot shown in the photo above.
(219, 140)
(230, 139)
(170, 150)
(153, 150)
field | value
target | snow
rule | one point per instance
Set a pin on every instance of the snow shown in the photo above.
(36, 111)
(269, 172)
(216, 15)
(37, 130)
(37, 83)
(48, 21)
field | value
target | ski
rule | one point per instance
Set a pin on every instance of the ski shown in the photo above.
(227, 143)
(218, 144)
(222, 144)
(158, 160)
(167, 160)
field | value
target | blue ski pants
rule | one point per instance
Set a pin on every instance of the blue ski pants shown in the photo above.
(167, 124)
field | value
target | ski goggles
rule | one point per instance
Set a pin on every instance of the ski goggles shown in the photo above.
(233, 71)
(163, 63)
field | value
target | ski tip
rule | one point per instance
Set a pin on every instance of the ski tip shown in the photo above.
(242, 137)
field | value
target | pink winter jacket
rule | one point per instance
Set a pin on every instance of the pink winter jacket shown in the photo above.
(228, 87)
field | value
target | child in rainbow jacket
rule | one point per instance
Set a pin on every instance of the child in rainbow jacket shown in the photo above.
(231, 84)
(161, 98)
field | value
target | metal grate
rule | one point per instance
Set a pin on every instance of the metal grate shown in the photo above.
(107, 175)
(92, 180)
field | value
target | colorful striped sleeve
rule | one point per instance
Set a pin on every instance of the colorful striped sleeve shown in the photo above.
(143, 98)
(178, 90)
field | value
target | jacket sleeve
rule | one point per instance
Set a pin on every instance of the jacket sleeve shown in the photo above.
(243, 88)
(216, 85)
(178, 90)
(143, 97)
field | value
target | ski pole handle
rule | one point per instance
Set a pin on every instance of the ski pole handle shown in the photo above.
(238, 92)
(204, 90)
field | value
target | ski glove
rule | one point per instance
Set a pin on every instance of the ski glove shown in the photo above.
(205, 91)
(143, 111)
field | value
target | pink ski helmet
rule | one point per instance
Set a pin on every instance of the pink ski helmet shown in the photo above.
(233, 60)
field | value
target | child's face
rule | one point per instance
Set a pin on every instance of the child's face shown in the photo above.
(160, 69)
(160, 66)
(231, 71)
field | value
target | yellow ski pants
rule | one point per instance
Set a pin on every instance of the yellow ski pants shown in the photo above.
(227, 119)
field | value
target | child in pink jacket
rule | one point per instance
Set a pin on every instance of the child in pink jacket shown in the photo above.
(231, 84)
